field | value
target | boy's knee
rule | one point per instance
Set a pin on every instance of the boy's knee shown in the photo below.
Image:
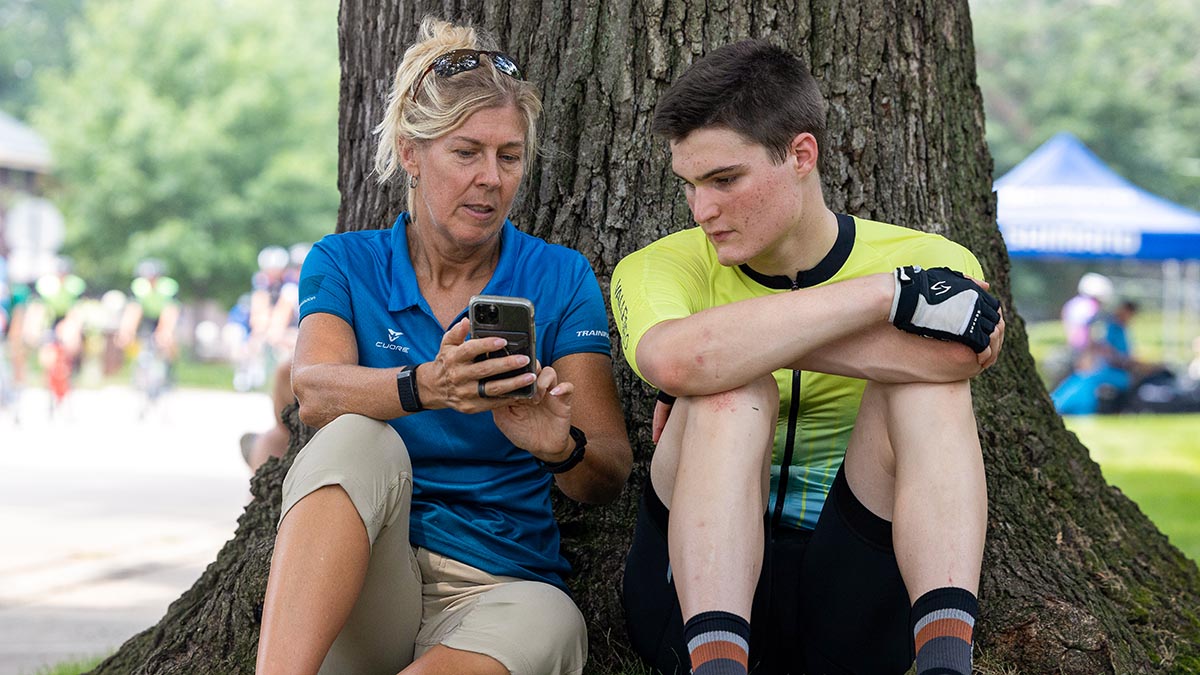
(760, 396)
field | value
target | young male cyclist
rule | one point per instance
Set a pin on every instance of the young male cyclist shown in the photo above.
(799, 404)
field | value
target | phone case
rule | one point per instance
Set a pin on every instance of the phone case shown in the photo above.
(512, 319)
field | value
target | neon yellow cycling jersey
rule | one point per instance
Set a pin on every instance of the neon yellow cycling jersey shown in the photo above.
(679, 275)
(154, 295)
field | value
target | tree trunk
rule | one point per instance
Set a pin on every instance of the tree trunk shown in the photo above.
(1076, 579)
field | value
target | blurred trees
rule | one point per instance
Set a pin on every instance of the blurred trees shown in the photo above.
(33, 38)
(1123, 75)
(201, 131)
(194, 132)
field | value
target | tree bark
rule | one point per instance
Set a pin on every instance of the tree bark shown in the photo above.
(1076, 579)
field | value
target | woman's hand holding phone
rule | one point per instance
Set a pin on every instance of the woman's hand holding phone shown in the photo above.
(458, 375)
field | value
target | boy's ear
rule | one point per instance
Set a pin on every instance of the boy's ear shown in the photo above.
(804, 151)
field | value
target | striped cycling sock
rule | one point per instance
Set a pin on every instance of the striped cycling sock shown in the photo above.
(718, 643)
(943, 621)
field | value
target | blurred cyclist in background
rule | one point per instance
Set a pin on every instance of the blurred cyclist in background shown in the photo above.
(109, 318)
(148, 328)
(58, 294)
(270, 286)
(6, 374)
(267, 286)
(275, 313)
(235, 336)
(4, 295)
(13, 351)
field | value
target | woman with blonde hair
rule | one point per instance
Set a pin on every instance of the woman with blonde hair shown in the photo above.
(417, 533)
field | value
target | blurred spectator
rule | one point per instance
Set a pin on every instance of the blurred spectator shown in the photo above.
(1094, 291)
(1194, 366)
(1106, 368)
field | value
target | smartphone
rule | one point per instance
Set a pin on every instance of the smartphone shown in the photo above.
(509, 318)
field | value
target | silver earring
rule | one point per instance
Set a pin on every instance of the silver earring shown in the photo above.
(412, 182)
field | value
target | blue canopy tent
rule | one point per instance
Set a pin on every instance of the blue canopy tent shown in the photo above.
(1064, 202)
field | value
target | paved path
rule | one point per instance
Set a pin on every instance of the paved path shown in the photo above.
(105, 518)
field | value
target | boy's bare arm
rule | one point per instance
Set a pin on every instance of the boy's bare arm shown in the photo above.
(841, 329)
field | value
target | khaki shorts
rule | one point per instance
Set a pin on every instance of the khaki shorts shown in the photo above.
(414, 599)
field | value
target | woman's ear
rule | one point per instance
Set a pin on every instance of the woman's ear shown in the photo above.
(804, 151)
(406, 149)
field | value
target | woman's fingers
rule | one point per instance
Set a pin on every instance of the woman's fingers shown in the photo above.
(457, 334)
(501, 388)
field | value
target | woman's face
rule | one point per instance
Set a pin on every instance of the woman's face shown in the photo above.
(467, 179)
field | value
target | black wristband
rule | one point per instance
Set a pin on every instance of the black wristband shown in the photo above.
(576, 454)
(664, 397)
(406, 387)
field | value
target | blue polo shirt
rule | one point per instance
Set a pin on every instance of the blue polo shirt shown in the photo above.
(477, 498)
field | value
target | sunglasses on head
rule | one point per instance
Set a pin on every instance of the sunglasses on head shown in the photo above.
(461, 60)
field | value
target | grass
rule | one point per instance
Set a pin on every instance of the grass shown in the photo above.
(204, 375)
(71, 667)
(1155, 460)
(189, 372)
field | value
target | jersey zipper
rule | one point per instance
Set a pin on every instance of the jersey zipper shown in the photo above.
(789, 447)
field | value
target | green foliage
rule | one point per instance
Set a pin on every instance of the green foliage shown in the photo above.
(194, 132)
(33, 38)
(1123, 75)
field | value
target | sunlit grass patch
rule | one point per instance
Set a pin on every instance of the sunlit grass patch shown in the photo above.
(1155, 460)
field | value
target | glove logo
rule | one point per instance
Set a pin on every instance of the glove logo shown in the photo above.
(940, 288)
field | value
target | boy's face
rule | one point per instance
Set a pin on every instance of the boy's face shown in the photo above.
(744, 201)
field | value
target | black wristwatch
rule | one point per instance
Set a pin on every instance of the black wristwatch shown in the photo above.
(576, 454)
(406, 385)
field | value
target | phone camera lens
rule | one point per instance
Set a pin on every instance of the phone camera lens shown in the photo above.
(488, 314)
